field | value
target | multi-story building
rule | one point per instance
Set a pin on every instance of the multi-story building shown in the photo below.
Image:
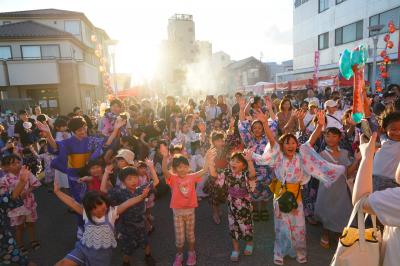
(242, 73)
(180, 50)
(274, 68)
(328, 27)
(48, 56)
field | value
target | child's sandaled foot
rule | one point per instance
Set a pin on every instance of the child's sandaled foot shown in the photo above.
(301, 260)
(256, 216)
(35, 245)
(216, 219)
(23, 250)
(235, 256)
(278, 261)
(264, 215)
(324, 243)
(248, 250)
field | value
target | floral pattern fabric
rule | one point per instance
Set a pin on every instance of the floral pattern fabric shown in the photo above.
(290, 230)
(239, 205)
(264, 173)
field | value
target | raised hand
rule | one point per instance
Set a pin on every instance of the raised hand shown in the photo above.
(368, 147)
(145, 192)
(268, 102)
(300, 114)
(119, 123)
(321, 118)
(109, 169)
(56, 186)
(43, 126)
(164, 150)
(149, 163)
(242, 103)
(248, 153)
(261, 116)
(24, 174)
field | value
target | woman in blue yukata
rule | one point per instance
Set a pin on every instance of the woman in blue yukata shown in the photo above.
(73, 153)
(253, 136)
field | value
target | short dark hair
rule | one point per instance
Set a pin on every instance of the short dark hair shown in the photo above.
(283, 102)
(60, 122)
(133, 108)
(76, 109)
(41, 118)
(91, 200)
(127, 171)
(117, 102)
(216, 135)
(238, 94)
(333, 130)
(285, 138)
(390, 118)
(179, 159)
(22, 112)
(9, 159)
(76, 123)
(94, 162)
(240, 156)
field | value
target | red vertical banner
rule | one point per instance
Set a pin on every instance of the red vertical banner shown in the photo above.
(316, 69)
(398, 46)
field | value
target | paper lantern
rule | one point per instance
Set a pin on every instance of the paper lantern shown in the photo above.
(379, 89)
(93, 38)
(386, 38)
(389, 44)
(385, 75)
(383, 53)
(101, 69)
(392, 29)
(382, 68)
(97, 53)
(386, 59)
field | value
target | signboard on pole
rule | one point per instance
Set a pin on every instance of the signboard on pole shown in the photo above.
(316, 69)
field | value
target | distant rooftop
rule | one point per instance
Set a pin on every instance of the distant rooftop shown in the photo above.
(30, 29)
(181, 17)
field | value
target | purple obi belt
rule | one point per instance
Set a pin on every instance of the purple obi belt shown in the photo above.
(238, 193)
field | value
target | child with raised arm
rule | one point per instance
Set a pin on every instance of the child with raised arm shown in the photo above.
(183, 200)
(130, 228)
(237, 178)
(98, 240)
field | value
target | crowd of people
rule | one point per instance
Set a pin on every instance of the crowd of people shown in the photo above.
(302, 154)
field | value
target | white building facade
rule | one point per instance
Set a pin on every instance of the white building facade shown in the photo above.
(328, 27)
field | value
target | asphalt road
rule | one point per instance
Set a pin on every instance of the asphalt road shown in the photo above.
(56, 230)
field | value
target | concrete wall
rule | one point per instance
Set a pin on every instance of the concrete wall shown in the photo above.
(33, 72)
(3, 74)
(88, 74)
(308, 24)
(69, 92)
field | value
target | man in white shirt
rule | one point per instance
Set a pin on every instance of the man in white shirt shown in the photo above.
(212, 110)
(333, 117)
(311, 97)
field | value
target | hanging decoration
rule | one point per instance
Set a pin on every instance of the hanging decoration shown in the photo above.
(103, 64)
(351, 64)
(383, 74)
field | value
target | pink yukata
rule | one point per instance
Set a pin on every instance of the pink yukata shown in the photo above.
(27, 212)
(290, 229)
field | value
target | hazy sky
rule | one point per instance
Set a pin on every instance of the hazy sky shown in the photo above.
(239, 28)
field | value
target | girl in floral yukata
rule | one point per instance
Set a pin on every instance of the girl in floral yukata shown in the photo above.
(236, 179)
(252, 134)
(294, 169)
(10, 199)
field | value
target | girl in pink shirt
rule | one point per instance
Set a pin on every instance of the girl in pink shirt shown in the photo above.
(183, 200)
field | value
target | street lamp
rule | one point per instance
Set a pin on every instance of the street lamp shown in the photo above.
(374, 31)
(111, 44)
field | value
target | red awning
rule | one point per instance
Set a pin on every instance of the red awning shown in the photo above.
(128, 93)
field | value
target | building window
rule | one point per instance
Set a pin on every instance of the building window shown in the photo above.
(339, 1)
(73, 27)
(349, 33)
(31, 52)
(298, 3)
(323, 41)
(383, 19)
(5, 52)
(50, 51)
(323, 5)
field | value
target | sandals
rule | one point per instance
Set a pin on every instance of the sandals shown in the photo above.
(35, 245)
(264, 215)
(278, 261)
(324, 243)
(23, 250)
(248, 250)
(235, 256)
(301, 260)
